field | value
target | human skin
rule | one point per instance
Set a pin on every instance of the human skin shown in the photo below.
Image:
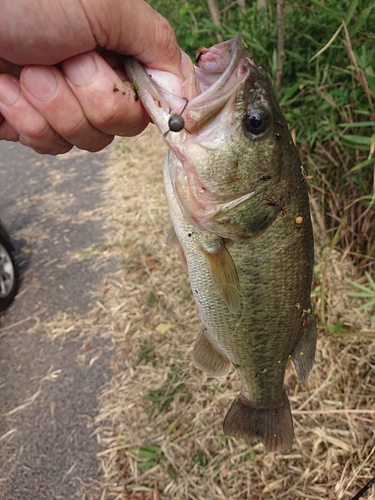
(62, 82)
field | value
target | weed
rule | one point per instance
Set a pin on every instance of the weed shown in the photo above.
(365, 292)
(152, 299)
(162, 398)
(201, 459)
(153, 455)
(146, 355)
(185, 294)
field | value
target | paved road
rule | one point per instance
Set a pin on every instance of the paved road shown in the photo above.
(47, 448)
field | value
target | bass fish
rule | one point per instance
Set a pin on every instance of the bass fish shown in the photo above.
(239, 205)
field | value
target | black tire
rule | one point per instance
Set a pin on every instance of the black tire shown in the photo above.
(8, 272)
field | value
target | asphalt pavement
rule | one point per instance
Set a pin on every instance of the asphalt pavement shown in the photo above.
(48, 399)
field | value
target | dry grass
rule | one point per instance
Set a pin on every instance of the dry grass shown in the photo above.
(161, 418)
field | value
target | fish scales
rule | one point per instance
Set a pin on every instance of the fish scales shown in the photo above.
(238, 201)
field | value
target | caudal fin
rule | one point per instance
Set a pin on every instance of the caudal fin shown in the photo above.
(272, 426)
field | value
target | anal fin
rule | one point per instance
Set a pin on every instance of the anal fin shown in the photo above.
(207, 358)
(303, 354)
(272, 426)
(224, 273)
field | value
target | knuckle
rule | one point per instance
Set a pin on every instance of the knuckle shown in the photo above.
(85, 136)
(72, 128)
(43, 139)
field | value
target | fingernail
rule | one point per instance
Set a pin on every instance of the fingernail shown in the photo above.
(9, 91)
(40, 82)
(80, 69)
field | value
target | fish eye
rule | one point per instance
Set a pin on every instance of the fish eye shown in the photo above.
(256, 121)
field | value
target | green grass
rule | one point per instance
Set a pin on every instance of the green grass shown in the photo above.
(364, 291)
(162, 397)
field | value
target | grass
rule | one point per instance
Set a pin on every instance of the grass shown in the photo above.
(364, 291)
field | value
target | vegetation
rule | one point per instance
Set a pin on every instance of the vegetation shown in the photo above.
(324, 56)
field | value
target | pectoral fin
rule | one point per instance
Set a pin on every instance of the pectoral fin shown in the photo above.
(224, 273)
(304, 353)
(207, 358)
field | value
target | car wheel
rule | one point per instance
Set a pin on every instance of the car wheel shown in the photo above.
(8, 274)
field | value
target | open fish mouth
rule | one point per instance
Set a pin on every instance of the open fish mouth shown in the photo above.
(202, 95)
(208, 104)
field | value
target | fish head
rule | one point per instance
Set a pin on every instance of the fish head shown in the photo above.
(232, 147)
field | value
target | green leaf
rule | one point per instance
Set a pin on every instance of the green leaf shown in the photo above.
(362, 164)
(349, 14)
(363, 295)
(145, 454)
(362, 18)
(151, 447)
(358, 285)
(367, 304)
(357, 124)
(370, 280)
(171, 473)
(331, 12)
(337, 328)
(146, 465)
(147, 451)
(360, 140)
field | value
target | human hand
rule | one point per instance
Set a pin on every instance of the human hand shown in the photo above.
(62, 82)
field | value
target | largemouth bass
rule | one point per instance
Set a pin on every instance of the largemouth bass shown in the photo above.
(239, 204)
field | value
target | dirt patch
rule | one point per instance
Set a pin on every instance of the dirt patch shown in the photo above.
(161, 418)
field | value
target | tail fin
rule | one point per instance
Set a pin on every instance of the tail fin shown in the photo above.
(272, 426)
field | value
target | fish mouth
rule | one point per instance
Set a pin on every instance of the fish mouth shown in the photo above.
(202, 94)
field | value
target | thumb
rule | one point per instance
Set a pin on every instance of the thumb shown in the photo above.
(133, 27)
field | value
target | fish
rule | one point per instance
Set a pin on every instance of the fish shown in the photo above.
(239, 204)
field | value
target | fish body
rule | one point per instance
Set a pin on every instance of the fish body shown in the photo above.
(239, 205)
